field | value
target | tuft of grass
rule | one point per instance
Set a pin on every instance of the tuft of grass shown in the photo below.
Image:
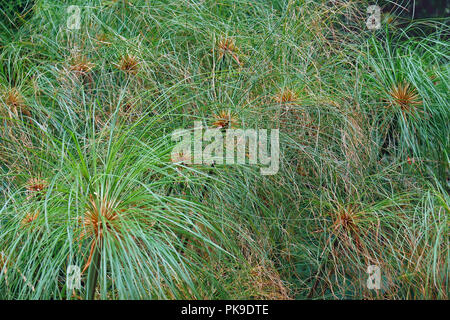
(405, 97)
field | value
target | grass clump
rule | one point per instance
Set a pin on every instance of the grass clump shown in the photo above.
(87, 177)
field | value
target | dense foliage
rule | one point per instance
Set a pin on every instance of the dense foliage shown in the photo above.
(86, 176)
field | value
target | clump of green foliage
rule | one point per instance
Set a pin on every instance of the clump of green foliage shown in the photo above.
(86, 176)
